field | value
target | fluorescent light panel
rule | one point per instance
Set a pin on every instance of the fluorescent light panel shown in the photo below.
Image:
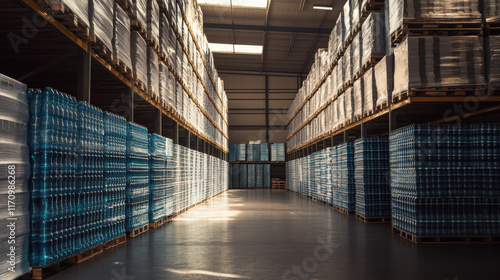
(326, 8)
(261, 4)
(235, 48)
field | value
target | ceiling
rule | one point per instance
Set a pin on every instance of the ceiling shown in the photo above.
(290, 31)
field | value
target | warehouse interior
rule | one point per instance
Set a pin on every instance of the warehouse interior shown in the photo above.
(262, 139)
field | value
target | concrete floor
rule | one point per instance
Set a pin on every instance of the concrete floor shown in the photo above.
(263, 234)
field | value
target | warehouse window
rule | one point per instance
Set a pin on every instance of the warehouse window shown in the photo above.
(262, 4)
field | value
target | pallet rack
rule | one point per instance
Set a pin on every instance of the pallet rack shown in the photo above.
(102, 74)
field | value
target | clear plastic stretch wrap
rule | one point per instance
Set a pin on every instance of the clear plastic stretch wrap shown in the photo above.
(356, 13)
(153, 73)
(383, 73)
(341, 109)
(494, 74)
(153, 18)
(348, 74)
(139, 57)
(451, 61)
(369, 91)
(102, 22)
(139, 11)
(357, 50)
(121, 36)
(339, 34)
(373, 34)
(492, 10)
(163, 89)
(80, 9)
(14, 190)
(349, 104)
(165, 46)
(348, 19)
(358, 89)
(402, 11)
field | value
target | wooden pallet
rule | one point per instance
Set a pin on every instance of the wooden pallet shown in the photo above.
(115, 242)
(138, 231)
(368, 113)
(440, 91)
(493, 28)
(101, 49)
(123, 69)
(140, 85)
(439, 28)
(373, 220)
(125, 5)
(43, 272)
(278, 184)
(343, 211)
(138, 26)
(372, 6)
(383, 106)
(67, 18)
(152, 43)
(158, 223)
(444, 239)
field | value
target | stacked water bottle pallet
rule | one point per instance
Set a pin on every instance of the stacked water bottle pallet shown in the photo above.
(373, 194)
(249, 176)
(15, 165)
(445, 183)
(160, 189)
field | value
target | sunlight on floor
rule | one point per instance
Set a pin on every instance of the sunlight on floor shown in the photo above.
(206, 272)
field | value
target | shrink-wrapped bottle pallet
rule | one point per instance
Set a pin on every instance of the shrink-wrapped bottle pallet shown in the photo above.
(14, 141)
(444, 180)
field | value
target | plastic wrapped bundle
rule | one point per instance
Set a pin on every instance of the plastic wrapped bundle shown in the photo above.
(251, 176)
(358, 97)
(80, 8)
(346, 188)
(102, 22)
(115, 175)
(167, 46)
(347, 59)
(15, 165)
(369, 92)
(373, 34)
(357, 50)
(373, 193)
(403, 11)
(356, 13)
(241, 152)
(249, 150)
(235, 175)
(233, 152)
(153, 19)
(492, 10)
(425, 179)
(163, 87)
(153, 73)
(348, 19)
(452, 61)
(137, 191)
(264, 152)
(494, 74)
(243, 176)
(256, 152)
(47, 108)
(339, 35)
(158, 177)
(139, 12)
(383, 73)
(259, 175)
(90, 176)
(139, 57)
(349, 104)
(121, 37)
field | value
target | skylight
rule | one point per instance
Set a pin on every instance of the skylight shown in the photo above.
(260, 4)
(235, 48)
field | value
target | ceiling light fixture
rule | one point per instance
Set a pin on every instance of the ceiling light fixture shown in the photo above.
(260, 4)
(235, 48)
(320, 7)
